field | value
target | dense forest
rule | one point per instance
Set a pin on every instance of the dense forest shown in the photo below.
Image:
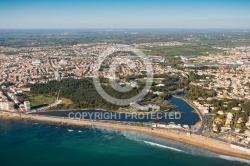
(83, 94)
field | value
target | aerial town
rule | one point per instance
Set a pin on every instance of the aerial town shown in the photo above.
(228, 74)
(128, 82)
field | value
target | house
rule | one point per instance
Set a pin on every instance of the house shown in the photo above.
(220, 112)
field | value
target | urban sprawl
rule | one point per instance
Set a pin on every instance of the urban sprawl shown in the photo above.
(227, 73)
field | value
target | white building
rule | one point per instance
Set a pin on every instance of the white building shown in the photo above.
(57, 75)
(7, 106)
(26, 105)
(36, 62)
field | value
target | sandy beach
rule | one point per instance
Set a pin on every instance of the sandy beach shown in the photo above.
(195, 140)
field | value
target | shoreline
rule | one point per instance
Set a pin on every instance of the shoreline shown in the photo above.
(194, 107)
(199, 141)
(191, 105)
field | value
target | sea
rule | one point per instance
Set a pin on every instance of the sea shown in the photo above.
(42, 144)
(30, 143)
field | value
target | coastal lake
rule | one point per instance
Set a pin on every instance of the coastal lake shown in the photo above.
(188, 115)
(29, 143)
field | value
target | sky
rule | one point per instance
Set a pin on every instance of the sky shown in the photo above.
(80, 14)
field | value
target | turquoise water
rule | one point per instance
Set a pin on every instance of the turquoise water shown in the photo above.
(29, 144)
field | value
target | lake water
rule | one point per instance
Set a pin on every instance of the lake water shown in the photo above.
(188, 116)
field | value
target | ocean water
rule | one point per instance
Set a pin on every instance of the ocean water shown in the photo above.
(30, 143)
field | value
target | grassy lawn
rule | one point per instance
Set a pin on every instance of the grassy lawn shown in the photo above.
(66, 101)
(41, 99)
(143, 80)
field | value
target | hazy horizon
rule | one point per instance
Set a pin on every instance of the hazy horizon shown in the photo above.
(110, 14)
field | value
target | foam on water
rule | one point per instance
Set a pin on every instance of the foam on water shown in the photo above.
(113, 146)
(162, 146)
(169, 144)
(233, 159)
(107, 131)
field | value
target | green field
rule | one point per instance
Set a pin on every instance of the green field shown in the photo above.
(184, 50)
(41, 99)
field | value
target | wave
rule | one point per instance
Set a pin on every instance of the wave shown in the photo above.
(162, 146)
(107, 131)
(188, 149)
(233, 158)
(70, 130)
